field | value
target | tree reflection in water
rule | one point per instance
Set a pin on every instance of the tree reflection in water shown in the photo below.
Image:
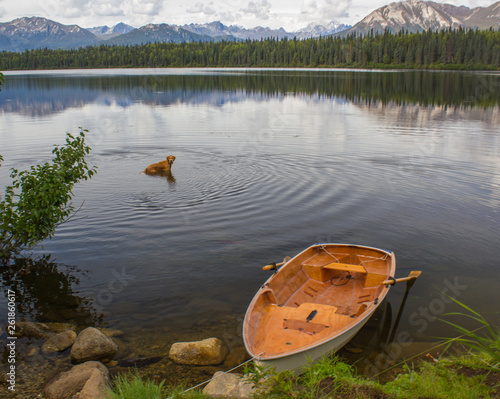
(45, 292)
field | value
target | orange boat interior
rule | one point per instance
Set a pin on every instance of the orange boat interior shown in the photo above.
(315, 296)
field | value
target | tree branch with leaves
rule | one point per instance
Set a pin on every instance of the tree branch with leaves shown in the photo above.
(39, 199)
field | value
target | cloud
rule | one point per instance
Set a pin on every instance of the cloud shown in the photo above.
(109, 8)
(147, 7)
(73, 8)
(260, 9)
(200, 8)
(325, 10)
(229, 17)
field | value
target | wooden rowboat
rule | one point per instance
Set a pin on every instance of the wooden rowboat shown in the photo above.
(316, 302)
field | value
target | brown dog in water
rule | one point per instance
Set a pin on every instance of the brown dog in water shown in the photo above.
(163, 166)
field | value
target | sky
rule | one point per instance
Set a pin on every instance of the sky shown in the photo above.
(289, 14)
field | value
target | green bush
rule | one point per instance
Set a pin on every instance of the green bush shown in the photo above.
(39, 198)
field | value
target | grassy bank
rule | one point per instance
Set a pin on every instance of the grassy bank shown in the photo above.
(474, 373)
(462, 377)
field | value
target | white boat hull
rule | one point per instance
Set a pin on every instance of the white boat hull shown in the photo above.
(296, 361)
(309, 308)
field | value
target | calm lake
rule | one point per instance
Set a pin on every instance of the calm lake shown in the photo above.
(268, 162)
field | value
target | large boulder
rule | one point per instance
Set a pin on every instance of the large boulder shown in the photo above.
(210, 351)
(59, 342)
(96, 386)
(91, 344)
(89, 379)
(228, 385)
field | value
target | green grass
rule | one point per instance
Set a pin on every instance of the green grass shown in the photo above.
(484, 340)
(470, 375)
(456, 378)
(134, 387)
(438, 381)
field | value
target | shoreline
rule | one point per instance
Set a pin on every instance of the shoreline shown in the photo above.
(325, 68)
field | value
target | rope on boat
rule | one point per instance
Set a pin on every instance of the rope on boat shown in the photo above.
(224, 372)
(427, 350)
(374, 259)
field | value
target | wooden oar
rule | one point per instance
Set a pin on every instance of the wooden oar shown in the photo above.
(410, 280)
(412, 276)
(274, 266)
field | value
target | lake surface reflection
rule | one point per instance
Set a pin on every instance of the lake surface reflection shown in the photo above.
(268, 163)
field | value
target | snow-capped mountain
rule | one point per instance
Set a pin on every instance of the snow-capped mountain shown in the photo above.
(106, 32)
(417, 15)
(314, 30)
(30, 33)
(218, 29)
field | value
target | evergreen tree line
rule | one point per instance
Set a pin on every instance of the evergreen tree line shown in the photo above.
(450, 49)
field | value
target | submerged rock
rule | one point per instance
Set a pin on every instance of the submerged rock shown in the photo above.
(210, 351)
(228, 385)
(91, 344)
(60, 327)
(140, 361)
(32, 330)
(111, 332)
(236, 356)
(89, 379)
(59, 342)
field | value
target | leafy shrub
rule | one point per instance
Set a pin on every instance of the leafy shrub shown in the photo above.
(39, 198)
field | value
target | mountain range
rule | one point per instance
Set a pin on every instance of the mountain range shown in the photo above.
(417, 15)
(413, 15)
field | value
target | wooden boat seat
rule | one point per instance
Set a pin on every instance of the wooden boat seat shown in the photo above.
(374, 279)
(345, 267)
(324, 272)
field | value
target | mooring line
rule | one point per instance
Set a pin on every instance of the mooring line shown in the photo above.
(224, 372)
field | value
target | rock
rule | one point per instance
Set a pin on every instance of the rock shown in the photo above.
(88, 378)
(236, 356)
(91, 344)
(111, 332)
(31, 330)
(96, 386)
(112, 363)
(60, 327)
(353, 349)
(228, 385)
(59, 342)
(208, 352)
(140, 361)
(33, 352)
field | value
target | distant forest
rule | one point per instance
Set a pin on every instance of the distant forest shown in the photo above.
(446, 49)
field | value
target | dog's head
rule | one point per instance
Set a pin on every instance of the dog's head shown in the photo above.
(170, 159)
